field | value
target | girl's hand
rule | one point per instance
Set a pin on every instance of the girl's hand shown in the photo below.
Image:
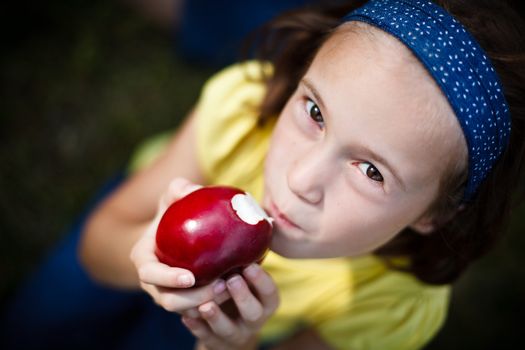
(165, 284)
(256, 299)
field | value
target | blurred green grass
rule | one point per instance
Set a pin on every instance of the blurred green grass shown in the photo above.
(83, 82)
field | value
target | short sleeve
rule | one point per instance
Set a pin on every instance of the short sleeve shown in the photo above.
(148, 151)
(390, 320)
(231, 143)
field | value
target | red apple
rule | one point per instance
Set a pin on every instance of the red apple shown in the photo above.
(213, 232)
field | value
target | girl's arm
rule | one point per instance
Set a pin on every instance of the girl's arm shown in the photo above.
(117, 224)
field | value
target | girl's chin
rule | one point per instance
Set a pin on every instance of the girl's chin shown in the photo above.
(289, 233)
(304, 249)
(286, 247)
(285, 253)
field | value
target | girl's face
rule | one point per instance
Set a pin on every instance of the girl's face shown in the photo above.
(359, 149)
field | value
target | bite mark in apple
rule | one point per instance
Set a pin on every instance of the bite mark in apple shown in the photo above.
(248, 210)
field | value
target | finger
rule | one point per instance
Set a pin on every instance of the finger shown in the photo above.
(247, 304)
(219, 323)
(163, 275)
(264, 286)
(201, 331)
(188, 188)
(192, 313)
(222, 297)
(177, 188)
(174, 191)
(151, 271)
(143, 250)
(179, 300)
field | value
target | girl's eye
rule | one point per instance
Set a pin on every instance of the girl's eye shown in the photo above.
(314, 112)
(371, 171)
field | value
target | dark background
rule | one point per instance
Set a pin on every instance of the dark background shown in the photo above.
(83, 82)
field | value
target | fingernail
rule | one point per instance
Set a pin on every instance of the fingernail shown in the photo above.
(252, 270)
(219, 287)
(207, 310)
(234, 282)
(185, 280)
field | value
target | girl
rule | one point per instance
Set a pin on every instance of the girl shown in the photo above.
(379, 137)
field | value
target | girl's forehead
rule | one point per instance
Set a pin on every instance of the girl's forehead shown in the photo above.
(361, 57)
(361, 40)
(363, 71)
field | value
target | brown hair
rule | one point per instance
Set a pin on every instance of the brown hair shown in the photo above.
(290, 43)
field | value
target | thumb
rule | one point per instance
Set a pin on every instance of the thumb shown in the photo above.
(177, 189)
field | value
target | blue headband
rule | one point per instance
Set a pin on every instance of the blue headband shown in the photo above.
(459, 66)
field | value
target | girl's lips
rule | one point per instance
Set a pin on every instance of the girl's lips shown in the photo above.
(280, 218)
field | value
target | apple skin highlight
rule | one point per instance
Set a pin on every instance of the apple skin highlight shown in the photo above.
(203, 233)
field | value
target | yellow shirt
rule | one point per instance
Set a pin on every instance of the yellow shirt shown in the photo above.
(353, 303)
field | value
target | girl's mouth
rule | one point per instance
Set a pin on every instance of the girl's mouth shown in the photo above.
(280, 218)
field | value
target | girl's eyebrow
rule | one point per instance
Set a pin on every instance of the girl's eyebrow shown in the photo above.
(367, 151)
(314, 92)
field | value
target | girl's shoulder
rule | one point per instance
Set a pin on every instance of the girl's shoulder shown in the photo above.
(231, 142)
(233, 95)
(252, 72)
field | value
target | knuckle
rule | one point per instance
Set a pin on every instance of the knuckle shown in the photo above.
(133, 254)
(200, 333)
(269, 291)
(157, 301)
(176, 186)
(169, 303)
(274, 306)
(203, 295)
(277, 300)
(142, 272)
(270, 309)
(145, 287)
(230, 334)
(221, 298)
(272, 296)
(268, 313)
(255, 314)
(237, 339)
(163, 199)
(242, 298)
(177, 182)
(192, 313)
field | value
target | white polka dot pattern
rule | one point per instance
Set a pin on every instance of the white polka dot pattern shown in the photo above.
(459, 66)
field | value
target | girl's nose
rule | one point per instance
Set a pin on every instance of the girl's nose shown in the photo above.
(305, 179)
